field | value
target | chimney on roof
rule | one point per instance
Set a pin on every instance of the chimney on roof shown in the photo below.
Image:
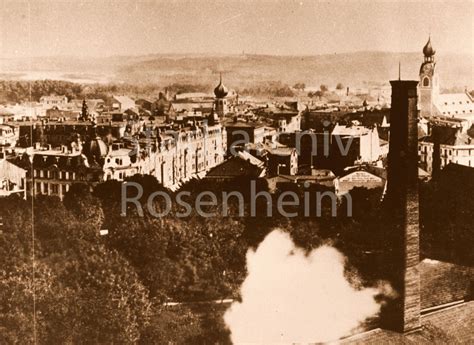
(402, 194)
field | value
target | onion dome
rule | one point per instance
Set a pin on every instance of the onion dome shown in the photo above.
(220, 91)
(96, 148)
(428, 50)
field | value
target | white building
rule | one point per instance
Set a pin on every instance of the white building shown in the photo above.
(49, 102)
(455, 146)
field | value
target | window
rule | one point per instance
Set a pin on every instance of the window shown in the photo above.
(426, 81)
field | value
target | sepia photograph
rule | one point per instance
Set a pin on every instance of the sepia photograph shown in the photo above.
(236, 172)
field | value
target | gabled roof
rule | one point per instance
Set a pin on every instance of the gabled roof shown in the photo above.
(451, 136)
(238, 166)
(370, 169)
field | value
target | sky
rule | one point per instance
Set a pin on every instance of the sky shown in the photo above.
(107, 28)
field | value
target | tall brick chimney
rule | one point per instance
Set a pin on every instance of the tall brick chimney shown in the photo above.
(402, 191)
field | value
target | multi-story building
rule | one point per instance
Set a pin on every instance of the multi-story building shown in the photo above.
(189, 152)
(52, 171)
(53, 101)
(240, 133)
(444, 145)
(57, 133)
(172, 155)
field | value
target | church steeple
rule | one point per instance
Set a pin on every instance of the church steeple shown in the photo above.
(429, 85)
(221, 103)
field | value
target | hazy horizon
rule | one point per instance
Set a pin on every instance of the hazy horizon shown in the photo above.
(211, 54)
(105, 29)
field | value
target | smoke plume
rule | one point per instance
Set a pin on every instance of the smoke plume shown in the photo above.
(293, 297)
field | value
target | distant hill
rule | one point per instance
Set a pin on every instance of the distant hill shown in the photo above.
(240, 71)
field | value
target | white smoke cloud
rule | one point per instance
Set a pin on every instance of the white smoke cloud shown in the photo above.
(290, 297)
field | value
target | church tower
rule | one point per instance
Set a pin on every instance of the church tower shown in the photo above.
(221, 102)
(429, 85)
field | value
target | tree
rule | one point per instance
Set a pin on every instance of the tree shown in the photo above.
(323, 88)
(85, 292)
(315, 94)
(84, 111)
(299, 86)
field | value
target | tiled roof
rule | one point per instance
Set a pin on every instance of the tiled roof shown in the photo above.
(453, 325)
(236, 167)
(450, 136)
(455, 104)
(444, 282)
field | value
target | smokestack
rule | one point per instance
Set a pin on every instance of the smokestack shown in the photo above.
(402, 192)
